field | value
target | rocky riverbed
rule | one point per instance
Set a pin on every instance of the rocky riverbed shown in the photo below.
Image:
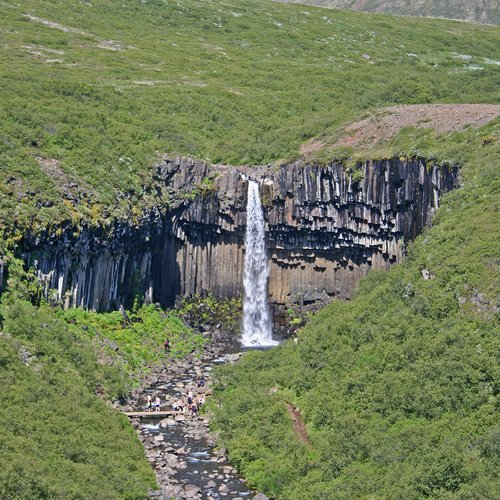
(181, 448)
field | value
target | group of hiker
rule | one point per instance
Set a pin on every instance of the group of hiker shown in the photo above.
(190, 403)
(150, 403)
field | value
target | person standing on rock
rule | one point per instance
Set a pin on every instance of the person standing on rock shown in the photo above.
(149, 402)
(193, 408)
(157, 403)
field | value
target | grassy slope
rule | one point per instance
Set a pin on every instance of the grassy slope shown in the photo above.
(140, 342)
(59, 439)
(486, 11)
(228, 81)
(398, 387)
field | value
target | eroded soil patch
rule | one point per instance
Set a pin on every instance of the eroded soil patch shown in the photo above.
(298, 424)
(387, 122)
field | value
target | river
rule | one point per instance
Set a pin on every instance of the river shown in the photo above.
(181, 448)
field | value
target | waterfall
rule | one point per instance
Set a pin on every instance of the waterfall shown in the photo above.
(257, 329)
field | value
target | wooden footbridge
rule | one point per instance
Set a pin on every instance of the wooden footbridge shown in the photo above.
(153, 414)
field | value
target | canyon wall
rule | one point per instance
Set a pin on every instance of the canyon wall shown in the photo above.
(325, 231)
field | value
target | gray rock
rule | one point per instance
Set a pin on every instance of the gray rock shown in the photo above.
(25, 356)
(232, 358)
(167, 422)
(112, 345)
(191, 490)
(340, 226)
(426, 274)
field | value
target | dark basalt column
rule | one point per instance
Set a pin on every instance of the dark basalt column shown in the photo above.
(325, 231)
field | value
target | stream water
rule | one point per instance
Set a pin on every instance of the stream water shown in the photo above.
(182, 449)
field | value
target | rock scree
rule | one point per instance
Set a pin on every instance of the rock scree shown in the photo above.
(181, 448)
(387, 122)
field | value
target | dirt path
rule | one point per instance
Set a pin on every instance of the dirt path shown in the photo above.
(298, 424)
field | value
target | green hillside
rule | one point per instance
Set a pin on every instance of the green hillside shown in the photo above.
(59, 370)
(483, 11)
(58, 438)
(397, 388)
(91, 91)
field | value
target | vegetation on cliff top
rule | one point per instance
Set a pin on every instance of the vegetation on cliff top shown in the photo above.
(92, 91)
(398, 388)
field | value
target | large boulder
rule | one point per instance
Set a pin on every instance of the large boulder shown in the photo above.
(167, 422)
(191, 490)
(260, 496)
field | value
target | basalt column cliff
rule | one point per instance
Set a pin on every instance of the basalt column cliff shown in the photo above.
(325, 231)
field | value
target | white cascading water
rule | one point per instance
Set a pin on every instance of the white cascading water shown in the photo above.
(257, 328)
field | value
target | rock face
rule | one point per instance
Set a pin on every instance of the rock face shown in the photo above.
(325, 231)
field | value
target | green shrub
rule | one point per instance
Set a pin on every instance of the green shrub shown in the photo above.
(222, 313)
(59, 439)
